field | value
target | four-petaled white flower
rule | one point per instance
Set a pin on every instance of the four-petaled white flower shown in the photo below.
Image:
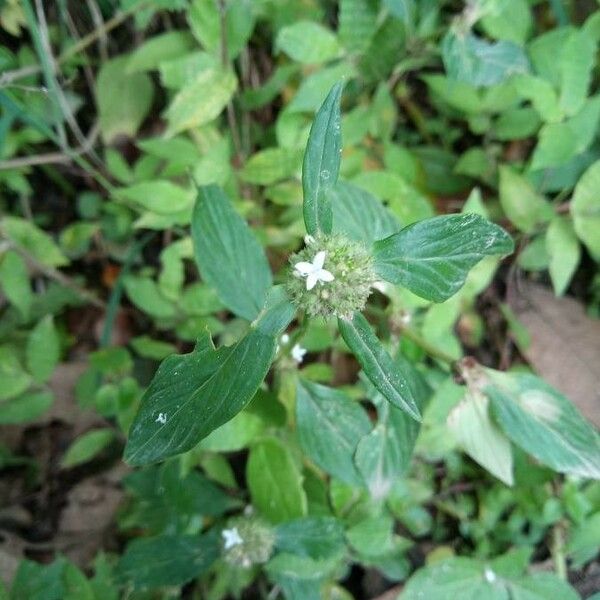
(314, 271)
(298, 353)
(162, 418)
(231, 538)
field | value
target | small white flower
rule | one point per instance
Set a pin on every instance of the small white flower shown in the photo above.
(298, 353)
(489, 575)
(314, 271)
(231, 538)
(162, 418)
(285, 338)
(309, 239)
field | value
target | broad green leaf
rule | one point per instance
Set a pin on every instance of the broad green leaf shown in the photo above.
(167, 560)
(86, 447)
(271, 165)
(275, 482)
(357, 24)
(378, 365)
(480, 438)
(517, 124)
(14, 281)
(521, 203)
(159, 196)
(381, 56)
(32, 239)
(315, 537)
(330, 425)
(43, 350)
(577, 60)
(585, 208)
(276, 314)
(360, 215)
(201, 100)
(544, 423)
(541, 94)
(159, 48)
(228, 255)
(148, 347)
(563, 251)
(433, 257)
(473, 60)
(508, 20)
(146, 295)
(193, 394)
(321, 164)
(124, 99)
(372, 536)
(178, 72)
(13, 378)
(24, 408)
(307, 42)
(458, 94)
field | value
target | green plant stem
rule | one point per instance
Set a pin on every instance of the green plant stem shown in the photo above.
(558, 550)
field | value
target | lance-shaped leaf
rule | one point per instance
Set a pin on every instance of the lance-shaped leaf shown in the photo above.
(228, 255)
(544, 423)
(432, 258)
(193, 394)
(385, 374)
(321, 164)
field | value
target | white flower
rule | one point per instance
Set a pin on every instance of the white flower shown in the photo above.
(285, 338)
(162, 418)
(309, 239)
(489, 575)
(314, 271)
(231, 538)
(298, 353)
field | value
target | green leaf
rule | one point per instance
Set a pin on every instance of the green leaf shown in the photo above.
(159, 48)
(307, 42)
(148, 347)
(43, 350)
(480, 438)
(522, 204)
(432, 257)
(86, 447)
(315, 537)
(146, 295)
(541, 94)
(330, 425)
(167, 560)
(26, 407)
(577, 59)
(275, 482)
(564, 253)
(13, 379)
(159, 196)
(228, 255)
(14, 280)
(473, 60)
(32, 239)
(585, 208)
(201, 100)
(511, 20)
(271, 165)
(321, 164)
(378, 365)
(357, 24)
(193, 394)
(124, 99)
(372, 536)
(359, 215)
(544, 423)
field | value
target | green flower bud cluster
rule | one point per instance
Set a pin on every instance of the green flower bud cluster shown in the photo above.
(343, 278)
(247, 541)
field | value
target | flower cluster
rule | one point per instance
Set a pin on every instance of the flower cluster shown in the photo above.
(247, 541)
(331, 276)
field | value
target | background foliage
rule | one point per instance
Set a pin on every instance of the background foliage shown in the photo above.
(114, 115)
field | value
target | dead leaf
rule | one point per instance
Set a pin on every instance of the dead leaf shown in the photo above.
(565, 344)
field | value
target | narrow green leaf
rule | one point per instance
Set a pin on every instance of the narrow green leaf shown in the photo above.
(14, 281)
(193, 394)
(159, 48)
(271, 165)
(85, 447)
(146, 295)
(377, 364)
(25, 408)
(228, 255)
(544, 423)
(432, 258)
(275, 482)
(159, 196)
(276, 314)
(330, 425)
(358, 21)
(13, 378)
(564, 252)
(201, 100)
(167, 560)
(322, 163)
(43, 349)
(577, 59)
